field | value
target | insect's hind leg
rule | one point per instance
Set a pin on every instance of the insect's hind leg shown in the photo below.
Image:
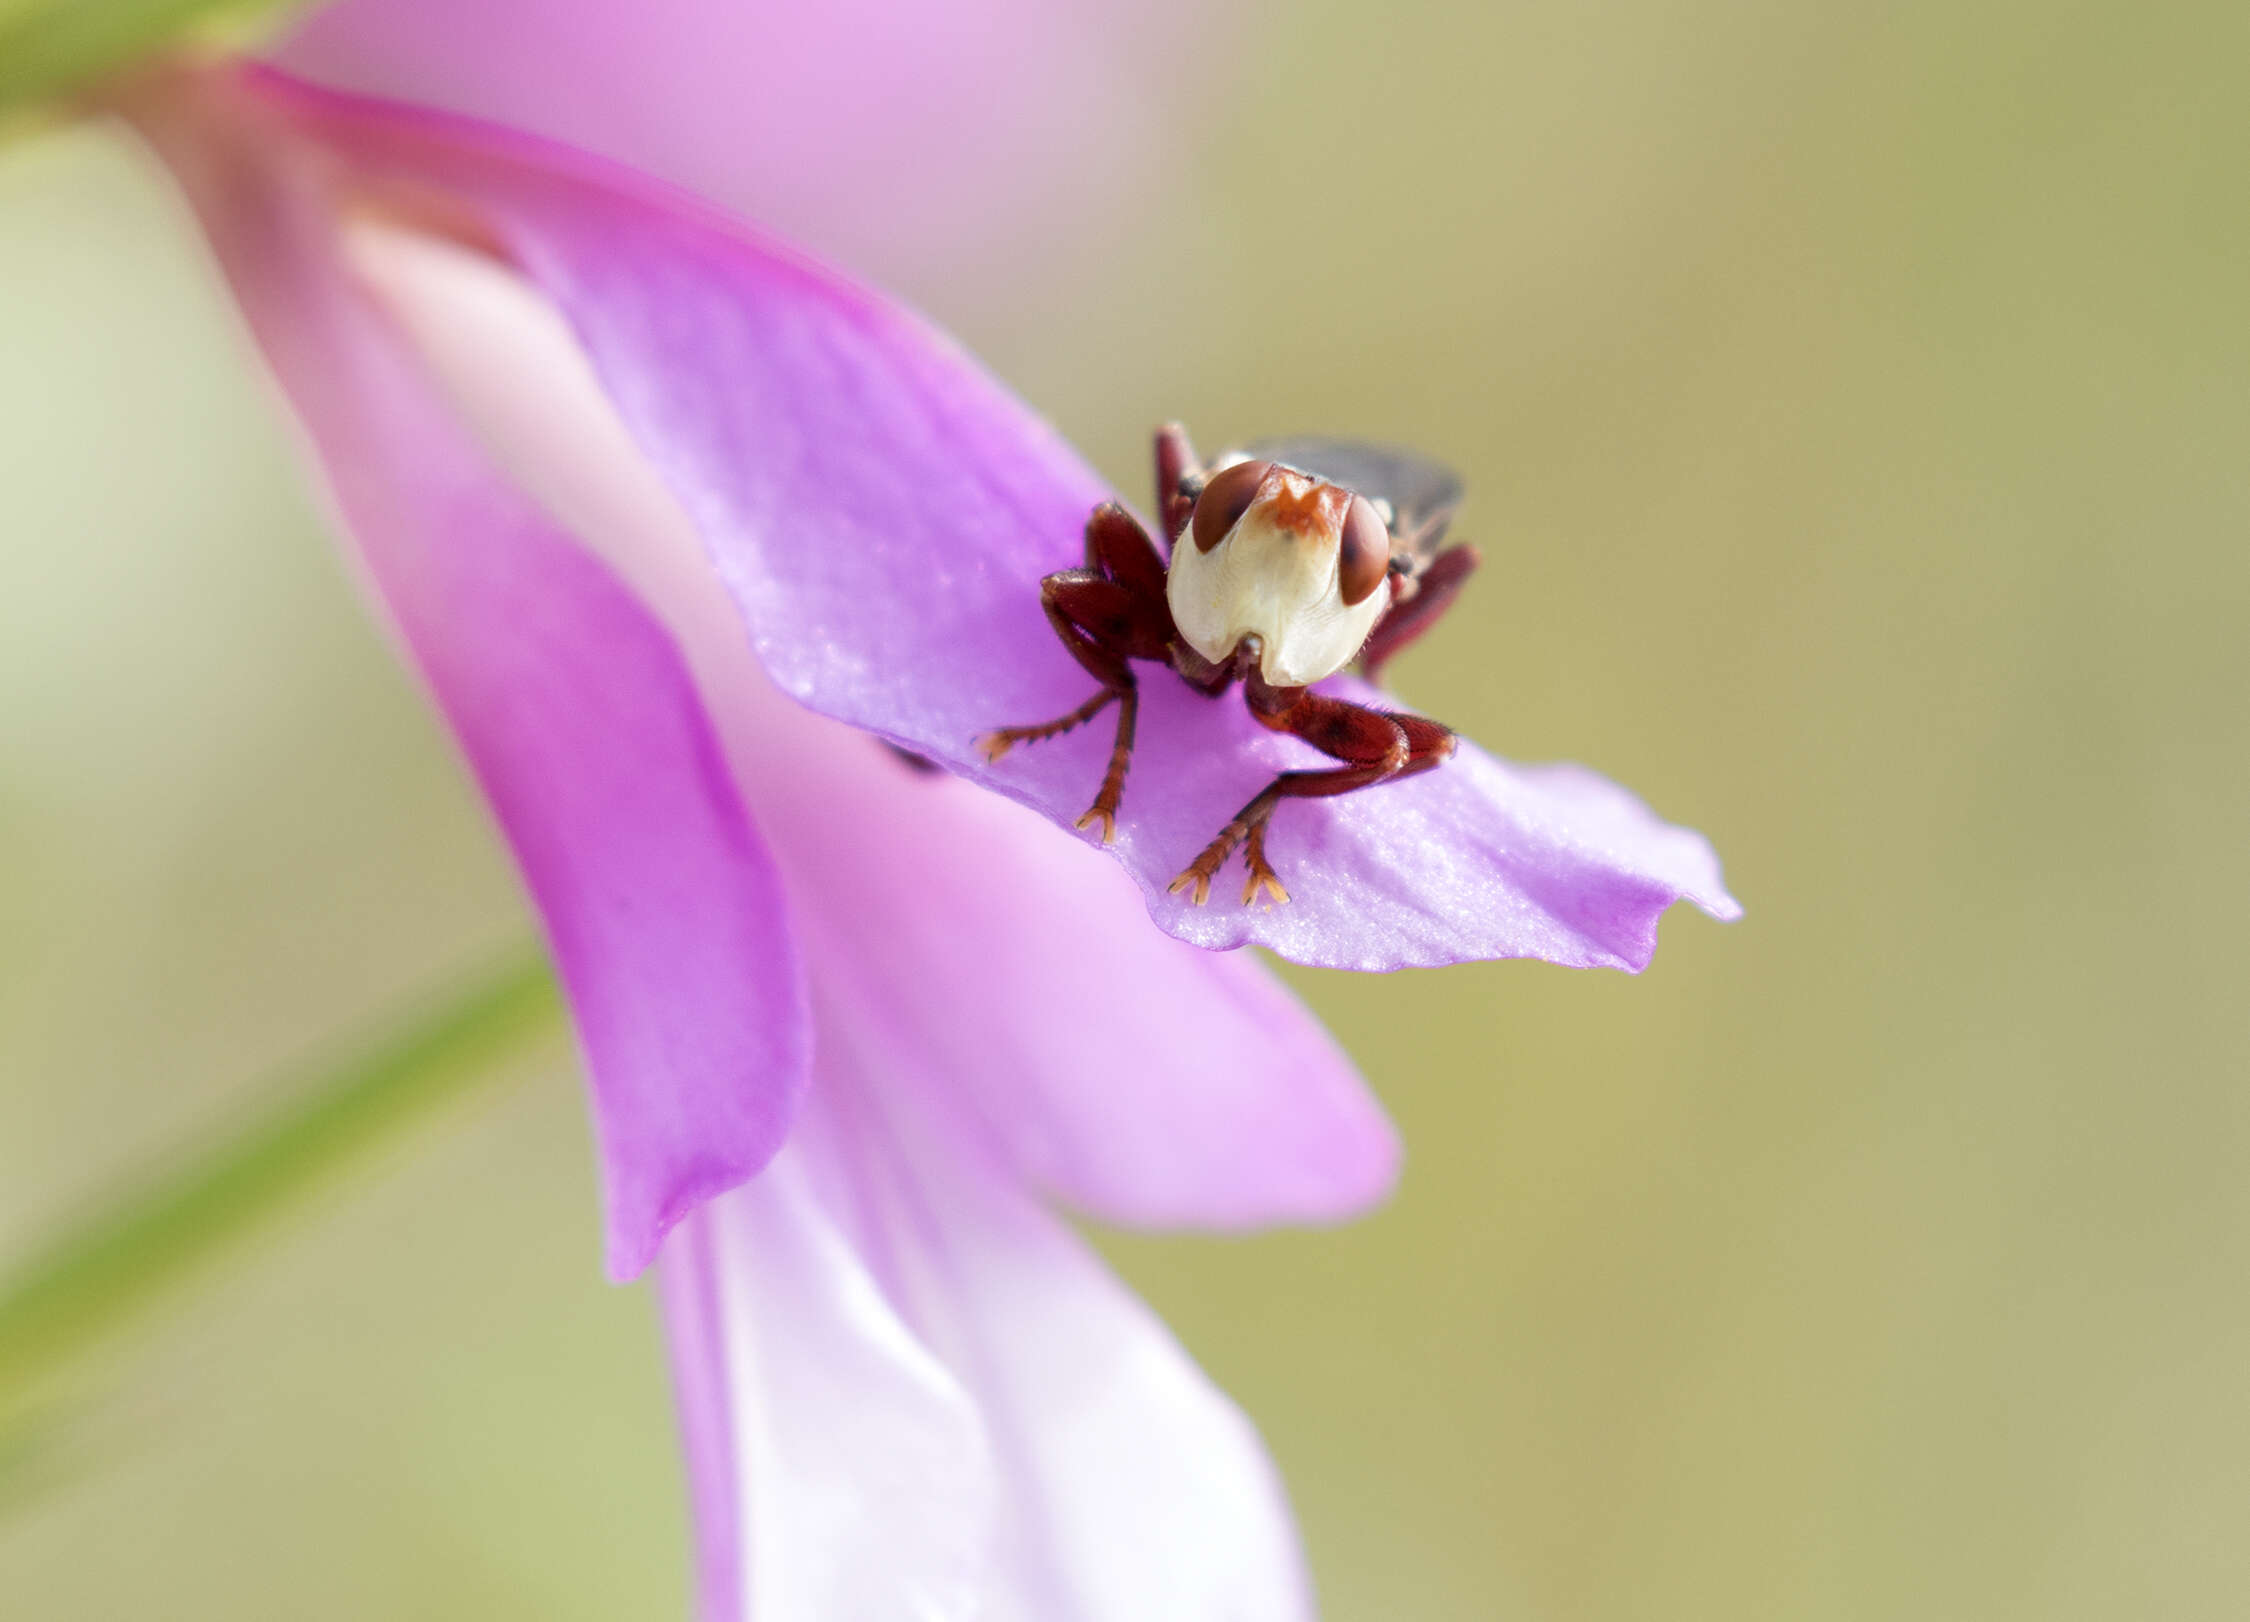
(1179, 480)
(1435, 590)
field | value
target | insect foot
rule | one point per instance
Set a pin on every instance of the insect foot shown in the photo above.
(1199, 873)
(1262, 875)
(992, 745)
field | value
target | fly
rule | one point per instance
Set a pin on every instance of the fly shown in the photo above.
(1284, 562)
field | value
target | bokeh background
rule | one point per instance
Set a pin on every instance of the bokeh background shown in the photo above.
(1855, 401)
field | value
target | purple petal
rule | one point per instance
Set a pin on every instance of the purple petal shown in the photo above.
(1140, 1078)
(882, 511)
(664, 911)
(910, 1392)
(899, 1381)
(902, 136)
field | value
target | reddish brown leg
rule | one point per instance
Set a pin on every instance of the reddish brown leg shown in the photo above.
(1118, 549)
(1082, 608)
(1106, 614)
(1375, 747)
(1179, 480)
(1434, 591)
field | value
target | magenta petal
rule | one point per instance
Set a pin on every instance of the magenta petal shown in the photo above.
(664, 911)
(1137, 1077)
(882, 511)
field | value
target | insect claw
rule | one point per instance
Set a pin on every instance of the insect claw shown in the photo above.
(992, 745)
(1266, 881)
(1108, 822)
(1201, 882)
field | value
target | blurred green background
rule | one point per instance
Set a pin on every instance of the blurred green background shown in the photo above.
(1855, 402)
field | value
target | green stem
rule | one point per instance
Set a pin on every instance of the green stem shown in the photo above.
(49, 48)
(114, 1267)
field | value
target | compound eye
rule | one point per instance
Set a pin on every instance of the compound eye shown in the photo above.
(1225, 499)
(1365, 556)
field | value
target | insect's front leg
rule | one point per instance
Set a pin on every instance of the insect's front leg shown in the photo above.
(1118, 549)
(1201, 674)
(1433, 592)
(1106, 615)
(1376, 747)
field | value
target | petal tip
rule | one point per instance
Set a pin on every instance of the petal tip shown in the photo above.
(1721, 906)
(1366, 1178)
(633, 1237)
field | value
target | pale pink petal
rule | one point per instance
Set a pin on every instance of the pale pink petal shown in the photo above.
(909, 136)
(835, 1320)
(836, 1467)
(664, 911)
(882, 511)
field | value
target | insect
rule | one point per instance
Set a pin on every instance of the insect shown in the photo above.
(1283, 563)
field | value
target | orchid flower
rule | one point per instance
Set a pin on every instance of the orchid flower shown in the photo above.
(695, 543)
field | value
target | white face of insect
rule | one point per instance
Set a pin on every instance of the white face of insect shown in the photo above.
(1277, 554)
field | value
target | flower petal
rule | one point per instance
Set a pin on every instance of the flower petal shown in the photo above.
(910, 1392)
(874, 1421)
(882, 511)
(663, 908)
(1144, 1080)
(837, 1469)
(908, 137)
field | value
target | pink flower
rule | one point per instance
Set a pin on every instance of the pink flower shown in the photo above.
(654, 503)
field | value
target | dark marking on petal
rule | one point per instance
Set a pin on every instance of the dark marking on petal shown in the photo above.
(921, 764)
